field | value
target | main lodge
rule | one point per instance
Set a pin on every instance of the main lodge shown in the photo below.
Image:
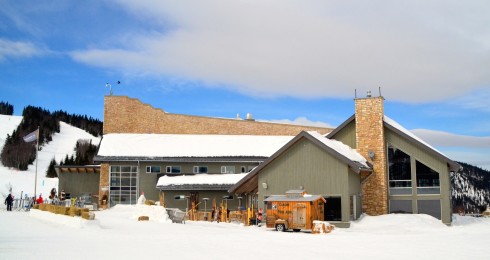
(369, 164)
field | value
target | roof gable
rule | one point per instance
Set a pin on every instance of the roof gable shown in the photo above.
(335, 148)
(412, 138)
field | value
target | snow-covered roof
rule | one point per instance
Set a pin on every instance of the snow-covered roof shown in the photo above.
(339, 147)
(174, 145)
(200, 180)
(392, 123)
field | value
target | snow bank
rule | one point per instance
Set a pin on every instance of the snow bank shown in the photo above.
(62, 220)
(396, 223)
(155, 213)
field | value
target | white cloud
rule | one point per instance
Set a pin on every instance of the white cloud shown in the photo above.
(444, 139)
(474, 150)
(415, 50)
(300, 121)
(16, 49)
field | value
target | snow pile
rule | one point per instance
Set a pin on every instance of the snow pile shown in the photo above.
(462, 221)
(174, 145)
(155, 213)
(398, 223)
(63, 220)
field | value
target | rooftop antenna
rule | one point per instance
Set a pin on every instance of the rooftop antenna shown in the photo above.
(379, 89)
(355, 93)
(107, 85)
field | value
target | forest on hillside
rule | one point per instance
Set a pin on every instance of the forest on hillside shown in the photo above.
(19, 154)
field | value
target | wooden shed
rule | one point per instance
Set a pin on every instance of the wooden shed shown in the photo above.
(296, 210)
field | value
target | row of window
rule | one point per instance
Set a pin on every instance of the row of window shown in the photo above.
(196, 169)
(400, 175)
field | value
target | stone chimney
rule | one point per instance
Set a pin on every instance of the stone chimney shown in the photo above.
(370, 143)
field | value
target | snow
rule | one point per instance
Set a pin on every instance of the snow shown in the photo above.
(116, 233)
(7, 126)
(203, 179)
(340, 147)
(174, 145)
(63, 144)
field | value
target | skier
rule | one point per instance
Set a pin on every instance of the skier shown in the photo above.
(9, 201)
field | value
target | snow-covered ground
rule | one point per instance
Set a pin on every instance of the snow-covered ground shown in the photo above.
(63, 143)
(116, 234)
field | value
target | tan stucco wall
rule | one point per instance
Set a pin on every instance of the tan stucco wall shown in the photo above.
(128, 115)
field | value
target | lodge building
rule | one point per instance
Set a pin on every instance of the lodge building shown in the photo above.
(369, 164)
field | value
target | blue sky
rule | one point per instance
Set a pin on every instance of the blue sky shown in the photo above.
(293, 61)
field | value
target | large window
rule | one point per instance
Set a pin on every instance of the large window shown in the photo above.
(228, 169)
(399, 171)
(200, 169)
(427, 180)
(123, 185)
(173, 169)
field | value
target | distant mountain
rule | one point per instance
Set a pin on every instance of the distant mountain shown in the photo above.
(471, 189)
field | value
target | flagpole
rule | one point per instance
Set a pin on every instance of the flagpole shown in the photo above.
(35, 176)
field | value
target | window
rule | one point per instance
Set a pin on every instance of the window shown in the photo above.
(173, 169)
(228, 169)
(399, 172)
(200, 169)
(243, 169)
(123, 185)
(152, 169)
(401, 206)
(427, 180)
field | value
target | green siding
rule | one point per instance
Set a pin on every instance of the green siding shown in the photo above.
(347, 135)
(432, 162)
(307, 165)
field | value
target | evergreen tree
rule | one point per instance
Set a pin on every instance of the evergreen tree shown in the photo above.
(51, 172)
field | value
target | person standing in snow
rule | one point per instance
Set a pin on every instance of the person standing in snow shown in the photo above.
(40, 199)
(9, 201)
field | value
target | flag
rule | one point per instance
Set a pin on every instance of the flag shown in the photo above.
(31, 137)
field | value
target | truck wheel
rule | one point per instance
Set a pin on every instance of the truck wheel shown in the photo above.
(280, 227)
(296, 230)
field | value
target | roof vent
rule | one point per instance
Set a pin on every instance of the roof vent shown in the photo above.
(369, 93)
(238, 117)
(249, 117)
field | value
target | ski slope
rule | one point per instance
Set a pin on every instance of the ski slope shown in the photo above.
(22, 182)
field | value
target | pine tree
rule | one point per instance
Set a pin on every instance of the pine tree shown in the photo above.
(51, 172)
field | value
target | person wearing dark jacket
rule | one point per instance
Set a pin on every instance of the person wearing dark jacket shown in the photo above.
(9, 201)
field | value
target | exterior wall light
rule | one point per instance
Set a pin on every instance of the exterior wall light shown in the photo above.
(264, 185)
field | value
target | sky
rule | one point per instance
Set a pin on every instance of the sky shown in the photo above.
(287, 61)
